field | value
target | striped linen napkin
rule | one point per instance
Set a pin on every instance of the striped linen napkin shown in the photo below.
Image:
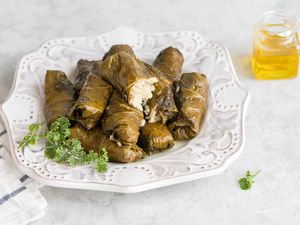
(20, 199)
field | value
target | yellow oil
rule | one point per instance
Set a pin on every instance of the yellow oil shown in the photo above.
(280, 64)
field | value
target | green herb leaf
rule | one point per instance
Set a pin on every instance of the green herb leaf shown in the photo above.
(35, 127)
(247, 181)
(32, 137)
(62, 149)
(245, 184)
(101, 161)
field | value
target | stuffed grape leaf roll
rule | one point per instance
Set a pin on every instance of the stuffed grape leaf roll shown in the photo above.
(161, 107)
(130, 77)
(119, 48)
(121, 121)
(91, 102)
(83, 70)
(60, 95)
(169, 61)
(190, 96)
(155, 137)
(95, 140)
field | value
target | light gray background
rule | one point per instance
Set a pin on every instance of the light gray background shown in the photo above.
(272, 123)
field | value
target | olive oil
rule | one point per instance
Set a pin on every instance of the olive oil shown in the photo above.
(276, 48)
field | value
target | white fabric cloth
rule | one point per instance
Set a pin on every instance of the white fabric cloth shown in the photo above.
(20, 199)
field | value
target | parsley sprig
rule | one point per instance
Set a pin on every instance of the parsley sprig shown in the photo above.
(33, 135)
(62, 149)
(247, 181)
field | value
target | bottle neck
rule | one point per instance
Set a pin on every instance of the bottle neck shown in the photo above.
(277, 28)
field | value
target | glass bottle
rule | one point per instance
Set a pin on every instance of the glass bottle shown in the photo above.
(275, 47)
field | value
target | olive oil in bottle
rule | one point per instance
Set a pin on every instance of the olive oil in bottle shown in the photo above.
(276, 47)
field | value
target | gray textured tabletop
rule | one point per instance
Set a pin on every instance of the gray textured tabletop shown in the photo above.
(272, 122)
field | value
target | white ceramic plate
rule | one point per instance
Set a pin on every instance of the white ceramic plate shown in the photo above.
(219, 143)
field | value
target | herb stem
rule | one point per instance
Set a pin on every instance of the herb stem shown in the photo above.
(255, 174)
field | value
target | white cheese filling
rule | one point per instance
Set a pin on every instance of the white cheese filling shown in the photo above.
(141, 92)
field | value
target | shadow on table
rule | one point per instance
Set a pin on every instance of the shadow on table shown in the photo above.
(242, 64)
